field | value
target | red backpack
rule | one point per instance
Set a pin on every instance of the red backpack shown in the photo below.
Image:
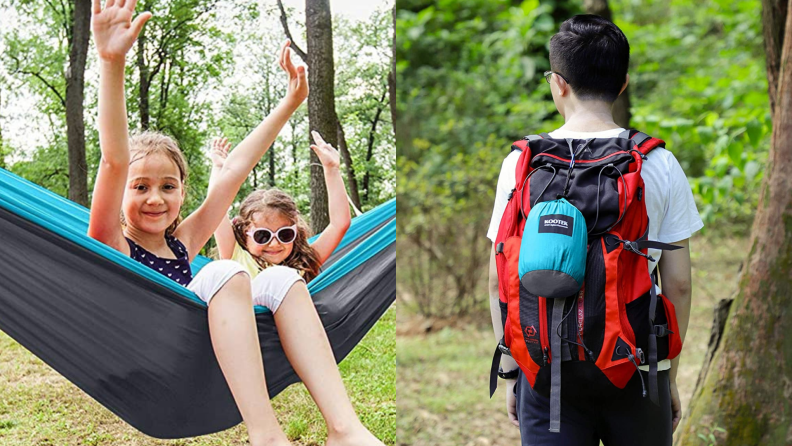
(616, 322)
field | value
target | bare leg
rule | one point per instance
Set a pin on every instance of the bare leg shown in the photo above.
(305, 342)
(232, 326)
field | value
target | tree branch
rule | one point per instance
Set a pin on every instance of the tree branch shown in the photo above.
(303, 55)
(39, 77)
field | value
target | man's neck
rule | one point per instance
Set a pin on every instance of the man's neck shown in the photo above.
(588, 116)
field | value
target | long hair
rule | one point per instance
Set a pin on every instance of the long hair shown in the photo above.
(303, 257)
(148, 142)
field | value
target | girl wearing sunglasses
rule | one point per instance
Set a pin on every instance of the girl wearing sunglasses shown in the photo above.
(269, 229)
(269, 239)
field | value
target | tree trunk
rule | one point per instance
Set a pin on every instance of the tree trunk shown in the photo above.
(354, 194)
(370, 149)
(392, 74)
(272, 166)
(621, 108)
(295, 148)
(75, 95)
(321, 101)
(774, 14)
(145, 81)
(748, 386)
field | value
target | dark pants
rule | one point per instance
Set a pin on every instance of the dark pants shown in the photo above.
(591, 412)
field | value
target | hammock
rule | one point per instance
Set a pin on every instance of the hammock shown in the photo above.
(137, 342)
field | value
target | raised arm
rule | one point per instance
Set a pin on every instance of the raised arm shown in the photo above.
(114, 32)
(196, 229)
(224, 234)
(336, 199)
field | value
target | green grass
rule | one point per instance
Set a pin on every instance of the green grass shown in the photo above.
(444, 391)
(38, 407)
(443, 376)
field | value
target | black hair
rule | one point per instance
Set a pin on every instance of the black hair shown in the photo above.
(593, 55)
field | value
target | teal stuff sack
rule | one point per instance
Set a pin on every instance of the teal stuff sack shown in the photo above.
(552, 260)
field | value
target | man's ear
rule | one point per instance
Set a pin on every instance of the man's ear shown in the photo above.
(626, 81)
(563, 86)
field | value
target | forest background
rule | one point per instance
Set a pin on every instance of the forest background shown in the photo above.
(469, 75)
(202, 68)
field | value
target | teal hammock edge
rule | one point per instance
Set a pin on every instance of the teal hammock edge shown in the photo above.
(70, 220)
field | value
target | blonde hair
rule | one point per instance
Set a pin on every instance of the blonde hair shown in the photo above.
(303, 257)
(149, 142)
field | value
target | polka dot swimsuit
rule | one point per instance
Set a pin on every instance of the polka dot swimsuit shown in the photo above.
(177, 269)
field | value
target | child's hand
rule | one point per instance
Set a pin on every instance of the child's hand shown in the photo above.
(114, 30)
(326, 153)
(219, 153)
(298, 84)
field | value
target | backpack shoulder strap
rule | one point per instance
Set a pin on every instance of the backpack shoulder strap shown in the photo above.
(522, 144)
(643, 142)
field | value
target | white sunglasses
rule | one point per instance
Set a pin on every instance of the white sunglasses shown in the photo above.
(263, 236)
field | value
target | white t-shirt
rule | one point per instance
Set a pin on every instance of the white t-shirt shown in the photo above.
(669, 201)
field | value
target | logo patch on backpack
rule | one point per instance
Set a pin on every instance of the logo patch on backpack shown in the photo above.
(556, 224)
(530, 333)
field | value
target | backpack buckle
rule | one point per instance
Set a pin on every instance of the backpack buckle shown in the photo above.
(503, 349)
(640, 355)
(661, 330)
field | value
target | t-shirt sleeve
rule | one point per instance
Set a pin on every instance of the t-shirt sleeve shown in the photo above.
(246, 260)
(681, 218)
(505, 185)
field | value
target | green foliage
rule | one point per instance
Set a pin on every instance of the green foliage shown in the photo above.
(699, 83)
(49, 167)
(211, 70)
(362, 102)
(469, 84)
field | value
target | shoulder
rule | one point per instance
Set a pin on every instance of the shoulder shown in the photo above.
(662, 166)
(509, 166)
(176, 245)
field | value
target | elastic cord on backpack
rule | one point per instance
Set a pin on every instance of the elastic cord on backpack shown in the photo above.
(643, 157)
(522, 190)
(582, 344)
(596, 219)
(631, 357)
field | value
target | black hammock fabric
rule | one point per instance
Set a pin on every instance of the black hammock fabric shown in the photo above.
(141, 347)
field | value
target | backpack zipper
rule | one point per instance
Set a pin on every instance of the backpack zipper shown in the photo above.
(543, 328)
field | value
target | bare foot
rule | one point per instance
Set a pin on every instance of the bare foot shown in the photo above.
(357, 437)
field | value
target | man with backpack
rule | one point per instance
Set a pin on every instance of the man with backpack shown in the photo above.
(633, 202)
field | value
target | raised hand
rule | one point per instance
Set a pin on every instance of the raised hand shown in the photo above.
(113, 28)
(298, 84)
(219, 151)
(328, 155)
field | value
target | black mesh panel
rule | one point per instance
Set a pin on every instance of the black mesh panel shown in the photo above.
(594, 299)
(638, 315)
